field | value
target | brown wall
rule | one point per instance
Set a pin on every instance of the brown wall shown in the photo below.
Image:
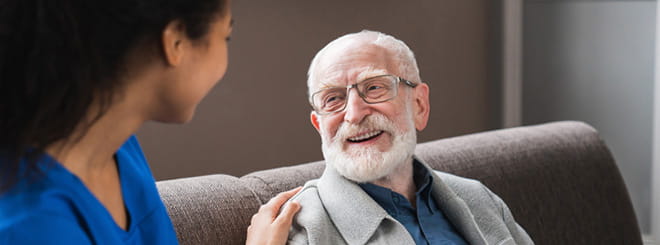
(258, 116)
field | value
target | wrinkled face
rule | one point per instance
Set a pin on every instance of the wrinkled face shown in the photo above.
(365, 142)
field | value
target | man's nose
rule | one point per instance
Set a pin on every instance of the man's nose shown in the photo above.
(356, 108)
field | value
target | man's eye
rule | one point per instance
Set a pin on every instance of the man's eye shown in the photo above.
(374, 87)
(331, 99)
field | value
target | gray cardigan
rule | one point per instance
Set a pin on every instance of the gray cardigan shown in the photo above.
(335, 210)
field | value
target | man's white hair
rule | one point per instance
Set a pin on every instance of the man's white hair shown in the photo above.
(400, 52)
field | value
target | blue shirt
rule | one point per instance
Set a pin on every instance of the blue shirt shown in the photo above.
(426, 224)
(58, 209)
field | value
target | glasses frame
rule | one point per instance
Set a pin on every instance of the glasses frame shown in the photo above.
(399, 80)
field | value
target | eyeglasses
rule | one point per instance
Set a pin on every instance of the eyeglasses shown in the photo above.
(372, 90)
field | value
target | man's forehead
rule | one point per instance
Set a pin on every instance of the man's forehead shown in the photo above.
(354, 75)
(350, 61)
(343, 68)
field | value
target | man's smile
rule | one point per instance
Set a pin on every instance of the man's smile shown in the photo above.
(366, 136)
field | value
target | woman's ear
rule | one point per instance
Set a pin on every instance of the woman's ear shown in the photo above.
(174, 43)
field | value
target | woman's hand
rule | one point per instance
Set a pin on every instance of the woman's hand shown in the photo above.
(269, 228)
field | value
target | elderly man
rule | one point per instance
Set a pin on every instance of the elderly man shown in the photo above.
(368, 102)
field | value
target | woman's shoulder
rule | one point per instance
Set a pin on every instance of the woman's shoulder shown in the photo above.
(130, 156)
(36, 204)
(132, 147)
(53, 225)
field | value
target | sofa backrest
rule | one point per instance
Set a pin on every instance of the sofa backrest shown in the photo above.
(559, 180)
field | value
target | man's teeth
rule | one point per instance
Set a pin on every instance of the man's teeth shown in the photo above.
(365, 136)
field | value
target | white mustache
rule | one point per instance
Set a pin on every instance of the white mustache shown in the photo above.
(371, 123)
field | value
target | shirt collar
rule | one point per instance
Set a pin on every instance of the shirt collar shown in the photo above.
(423, 180)
(387, 198)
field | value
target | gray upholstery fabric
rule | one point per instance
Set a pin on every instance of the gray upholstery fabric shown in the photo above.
(559, 180)
(213, 209)
(268, 183)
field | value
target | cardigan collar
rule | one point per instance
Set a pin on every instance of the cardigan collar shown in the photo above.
(353, 212)
(357, 216)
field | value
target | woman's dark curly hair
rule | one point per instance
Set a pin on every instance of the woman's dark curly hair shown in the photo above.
(58, 58)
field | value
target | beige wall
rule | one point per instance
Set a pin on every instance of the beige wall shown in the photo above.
(258, 116)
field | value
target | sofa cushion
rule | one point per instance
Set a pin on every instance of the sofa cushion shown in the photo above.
(212, 209)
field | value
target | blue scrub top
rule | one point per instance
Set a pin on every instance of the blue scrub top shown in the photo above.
(57, 208)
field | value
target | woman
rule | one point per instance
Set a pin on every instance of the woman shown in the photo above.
(77, 80)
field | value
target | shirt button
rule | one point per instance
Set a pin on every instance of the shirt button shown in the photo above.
(396, 199)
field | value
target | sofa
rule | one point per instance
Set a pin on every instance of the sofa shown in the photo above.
(559, 180)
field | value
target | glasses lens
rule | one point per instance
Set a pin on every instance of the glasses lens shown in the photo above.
(378, 89)
(329, 100)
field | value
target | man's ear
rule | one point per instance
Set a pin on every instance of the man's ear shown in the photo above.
(315, 121)
(421, 106)
(174, 40)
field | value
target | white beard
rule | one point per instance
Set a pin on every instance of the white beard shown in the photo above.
(367, 164)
